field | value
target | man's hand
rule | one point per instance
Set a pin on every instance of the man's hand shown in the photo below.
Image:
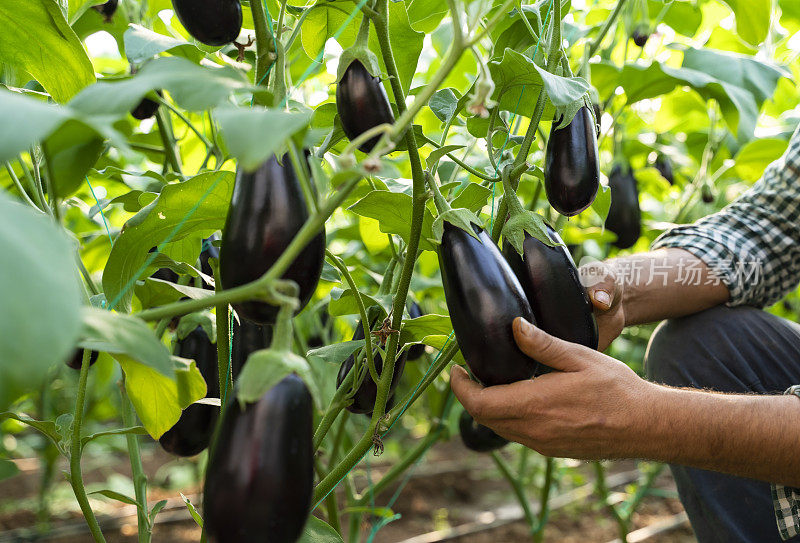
(592, 407)
(600, 280)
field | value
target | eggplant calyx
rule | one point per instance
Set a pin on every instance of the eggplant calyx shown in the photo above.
(460, 218)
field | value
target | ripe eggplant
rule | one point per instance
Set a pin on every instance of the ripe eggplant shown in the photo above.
(107, 10)
(416, 351)
(362, 103)
(209, 251)
(484, 297)
(664, 166)
(477, 437)
(367, 393)
(213, 22)
(259, 481)
(192, 433)
(550, 280)
(146, 108)
(248, 337)
(571, 172)
(267, 210)
(624, 217)
(640, 37)
(77, 359)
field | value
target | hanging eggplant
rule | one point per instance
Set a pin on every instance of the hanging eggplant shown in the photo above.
(664, 166)
(624, 216)
(192, 433)
(267, 210)
(571, 172)
(248, 337)
(362, 103)
(484, 297)
(415, 351)
(146, 108)
(77, 359)
(550, 280)
(212, 22)
(364, 398)
(259, 481)
(477, 437)
(107, 10)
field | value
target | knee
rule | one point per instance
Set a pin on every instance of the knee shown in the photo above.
(679, 352)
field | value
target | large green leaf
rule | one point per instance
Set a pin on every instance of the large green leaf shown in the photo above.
(752, 18)
(318, 531)
(41, 298)
(753, 158)
(406, 44)
(32, 120)
(254, 134)
(393, 211)
(121, 334)
(159, 399)
(71, 151)
(37, 39)
(142, 44)
(198, 205)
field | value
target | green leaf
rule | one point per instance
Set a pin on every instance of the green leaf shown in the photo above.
(336, 353)
(421, 327)
(154, 292)
(47, 428)
(436, 154)
(205, 196)
(142, 44)
(41, 298)
(32, 121)
(393, 211)
(266, 368)
(461, 218)
(753, 158)
(192, 87)
(752, 19)
(8, 469)
(71, 152)
(405, 41)
(159, 400)
(156, 510)
(204, 319)
(318, 531)
(192, 510)
(37, 38)
(255, 134)
(120, 334)
(473, 197)
(444, 104)
(519, 224)
(602, 203)
(344, 303)
(116, 496)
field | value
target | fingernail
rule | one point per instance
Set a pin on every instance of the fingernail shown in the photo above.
(525, 327)
(602, 297)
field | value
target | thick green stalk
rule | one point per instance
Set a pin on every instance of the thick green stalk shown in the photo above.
(223, 340)
(602, 489)
(544, 499)
(257, 289)
(265, 45)
(168, 139)
(21, 190)
(75, 450)
(137, 470)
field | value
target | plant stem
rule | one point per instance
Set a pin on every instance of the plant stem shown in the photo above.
(544, 500)
(365, 325)
(461, 163)
(222, 311)
(609, 23)
(519, 492)
(21, 190)
(602, 489)
(137, 470)
(264, 43)
(257, 288)
(75, 450)
(168, 139)
(330, 502)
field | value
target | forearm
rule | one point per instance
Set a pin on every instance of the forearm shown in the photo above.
(665, 283)
(747, 435)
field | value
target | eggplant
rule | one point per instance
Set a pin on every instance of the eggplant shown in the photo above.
(212, 22)
(415, 351)
(664, 166)
(192, 433)
(248, 337)
(77, 359)
(707, 194)
(362, 104)
(267, 210)
(209, 251)
(640, 37)
(146, 108)
(551, 282)
(107, 10)
(364, 398)
(259, 481)
(624, 216)
(484, 297)
(477, 437)
(571, 171)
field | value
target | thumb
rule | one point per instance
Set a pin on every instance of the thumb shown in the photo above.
(546, 349)
(600, 283)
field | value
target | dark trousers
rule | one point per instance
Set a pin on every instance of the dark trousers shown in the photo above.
(726, 349)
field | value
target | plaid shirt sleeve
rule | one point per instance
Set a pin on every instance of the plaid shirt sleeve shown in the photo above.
(787, 500)
(753, 244)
